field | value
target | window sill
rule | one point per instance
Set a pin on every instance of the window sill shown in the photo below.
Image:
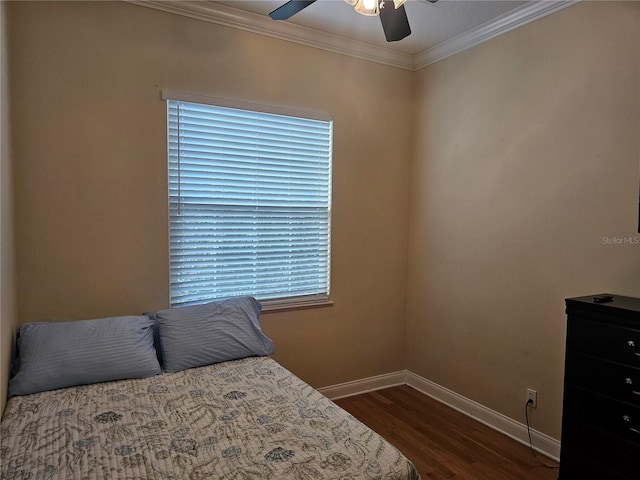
(285, 305)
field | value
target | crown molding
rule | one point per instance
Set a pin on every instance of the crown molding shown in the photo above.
(213, 12)
(251, 22)
(505, 23)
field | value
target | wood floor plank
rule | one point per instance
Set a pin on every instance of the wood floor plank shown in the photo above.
(443, 443)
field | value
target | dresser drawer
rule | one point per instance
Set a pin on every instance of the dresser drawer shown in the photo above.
(607, 451)
(613, 417)
(577, 467)
(618, 344)
(611, 379)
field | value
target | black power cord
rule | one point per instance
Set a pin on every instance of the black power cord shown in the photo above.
(526, 414)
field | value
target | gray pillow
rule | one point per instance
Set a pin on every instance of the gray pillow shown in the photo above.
(63, 354)
(211, 333)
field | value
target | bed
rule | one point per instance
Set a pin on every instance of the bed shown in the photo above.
(246, 418)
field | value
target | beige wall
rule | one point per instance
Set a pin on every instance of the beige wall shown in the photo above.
(526, 156)
(7, 273)
(91, 182)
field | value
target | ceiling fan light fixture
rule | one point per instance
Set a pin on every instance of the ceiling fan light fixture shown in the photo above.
(367, 7)
(395, 24)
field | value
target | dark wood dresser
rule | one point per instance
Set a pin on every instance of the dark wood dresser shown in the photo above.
(601, 406)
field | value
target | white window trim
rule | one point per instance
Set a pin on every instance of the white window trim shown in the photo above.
(299, 303)
(270, 305)
(258, 107)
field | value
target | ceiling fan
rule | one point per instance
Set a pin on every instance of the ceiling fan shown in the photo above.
(392, 14)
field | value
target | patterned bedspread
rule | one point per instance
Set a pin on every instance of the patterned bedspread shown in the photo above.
(240, 420)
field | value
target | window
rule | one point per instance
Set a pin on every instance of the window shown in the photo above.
(249, 205)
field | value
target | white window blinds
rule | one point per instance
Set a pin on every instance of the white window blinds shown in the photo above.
(249, 204)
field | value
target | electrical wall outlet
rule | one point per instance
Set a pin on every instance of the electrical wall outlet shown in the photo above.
(533, 396)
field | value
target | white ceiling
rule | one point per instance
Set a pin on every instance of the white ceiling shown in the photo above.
(438, 30)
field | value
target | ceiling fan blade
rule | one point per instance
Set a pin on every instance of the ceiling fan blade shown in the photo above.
(289, 9)
(394, 22)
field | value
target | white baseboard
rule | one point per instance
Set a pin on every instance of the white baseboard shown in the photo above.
(365, 385)
(542, 443)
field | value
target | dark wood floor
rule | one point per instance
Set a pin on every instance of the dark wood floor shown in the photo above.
(443, 443)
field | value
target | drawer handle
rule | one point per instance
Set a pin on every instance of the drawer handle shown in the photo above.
(632, 346)
(629, 381)
(627, 419)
